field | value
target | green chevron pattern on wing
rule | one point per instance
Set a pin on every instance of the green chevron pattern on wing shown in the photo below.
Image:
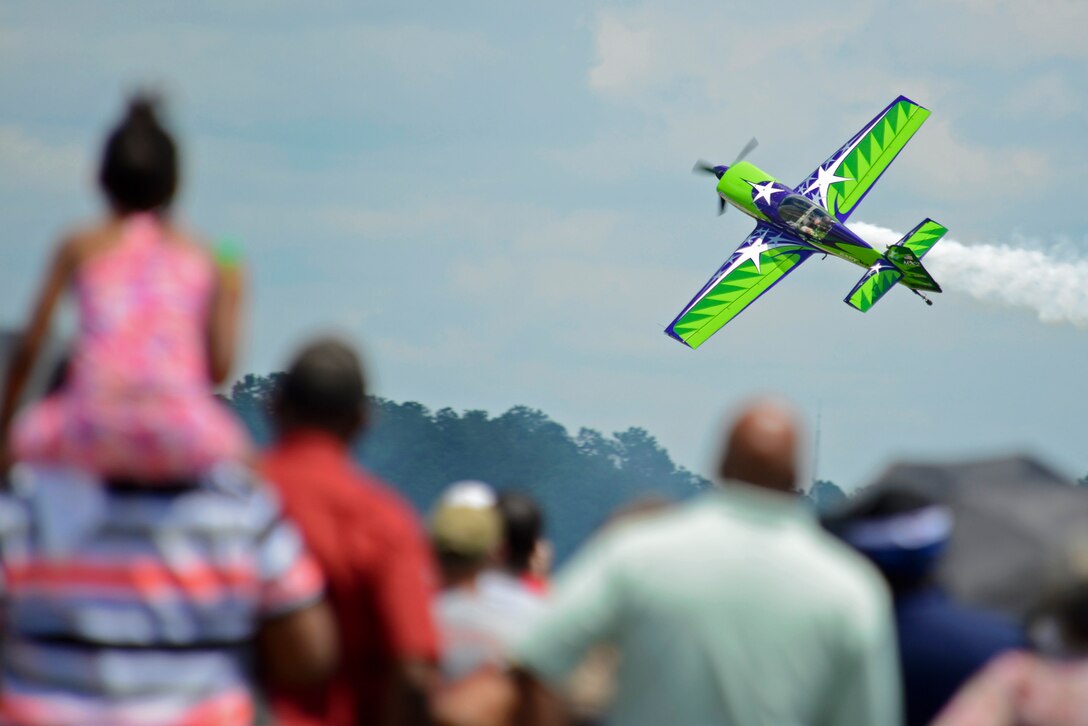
(873, 153)
(922, 239)
(736, 291)
(872, 288)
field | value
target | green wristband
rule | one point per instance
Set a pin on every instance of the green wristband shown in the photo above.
(228, 253)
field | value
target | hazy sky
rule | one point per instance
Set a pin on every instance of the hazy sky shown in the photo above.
(494, 199)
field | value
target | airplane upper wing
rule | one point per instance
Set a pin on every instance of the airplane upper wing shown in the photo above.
(762, 259)
(844, 179)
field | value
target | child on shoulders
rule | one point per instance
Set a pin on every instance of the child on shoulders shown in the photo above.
(158, 320)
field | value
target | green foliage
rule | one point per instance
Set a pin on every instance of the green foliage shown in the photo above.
(251, 399)
(826, 495)
(578, 480)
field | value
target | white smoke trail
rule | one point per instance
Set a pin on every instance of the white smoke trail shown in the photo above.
(1054, 287)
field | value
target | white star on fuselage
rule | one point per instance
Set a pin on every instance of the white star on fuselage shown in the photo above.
(764, 191)
(825, 178)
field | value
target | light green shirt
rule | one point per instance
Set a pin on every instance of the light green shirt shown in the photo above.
(735, 608)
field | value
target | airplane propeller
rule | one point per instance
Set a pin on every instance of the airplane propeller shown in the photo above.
(705, 167)
(748, 148)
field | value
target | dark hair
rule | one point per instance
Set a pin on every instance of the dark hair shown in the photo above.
(139, 170)
(522, 526)
(323, 389)
(1066, 610)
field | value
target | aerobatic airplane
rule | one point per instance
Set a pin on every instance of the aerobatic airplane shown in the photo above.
(792, 224)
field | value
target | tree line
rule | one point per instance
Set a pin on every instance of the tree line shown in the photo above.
(579, 479)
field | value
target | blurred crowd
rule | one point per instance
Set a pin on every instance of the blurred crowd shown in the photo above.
(156, 568)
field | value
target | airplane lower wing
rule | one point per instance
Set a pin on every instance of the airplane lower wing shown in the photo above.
(763, 258)
(840, 183)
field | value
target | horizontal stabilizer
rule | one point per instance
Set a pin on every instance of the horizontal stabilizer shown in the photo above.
(880, 278)
(902, 263)
(921, 239)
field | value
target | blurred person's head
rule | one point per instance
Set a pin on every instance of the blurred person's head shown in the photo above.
(323, 389)
(903, 532)
(761, 448)
(522, 529)
(139, 168)
(1058, 623)
(465, 530)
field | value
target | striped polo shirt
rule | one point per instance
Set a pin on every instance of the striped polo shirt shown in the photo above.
(138, 605)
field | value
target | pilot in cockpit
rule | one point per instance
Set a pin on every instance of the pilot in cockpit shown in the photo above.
(815, 225)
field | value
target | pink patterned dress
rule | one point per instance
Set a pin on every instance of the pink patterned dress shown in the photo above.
(137, 401)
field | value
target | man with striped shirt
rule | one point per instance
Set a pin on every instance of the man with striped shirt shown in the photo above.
(129, 604)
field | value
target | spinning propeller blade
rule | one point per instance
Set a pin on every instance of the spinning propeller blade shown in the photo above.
(752, 144)
(705, 167)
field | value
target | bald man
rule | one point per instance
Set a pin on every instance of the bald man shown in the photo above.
(734, 608)
(762, 448)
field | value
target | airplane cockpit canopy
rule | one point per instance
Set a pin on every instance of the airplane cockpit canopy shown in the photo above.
(805, 217)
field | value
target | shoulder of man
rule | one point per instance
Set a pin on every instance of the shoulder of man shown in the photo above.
(242, 493)
(843, 562)
(853, 591)
(235, 480)
(388, 504)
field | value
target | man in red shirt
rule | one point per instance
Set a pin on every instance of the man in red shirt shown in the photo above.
(369, 542)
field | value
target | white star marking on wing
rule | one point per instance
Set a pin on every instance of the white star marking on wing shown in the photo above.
(747, 253)
(878, 266)
(842, 154)
(765, 190)
(825, 178)
(752, 252)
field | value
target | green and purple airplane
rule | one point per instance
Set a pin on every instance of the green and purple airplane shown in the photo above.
(792, 224)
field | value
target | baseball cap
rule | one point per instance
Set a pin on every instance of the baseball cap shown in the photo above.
(465, 521)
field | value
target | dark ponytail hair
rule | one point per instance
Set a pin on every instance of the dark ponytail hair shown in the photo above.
(139, 169)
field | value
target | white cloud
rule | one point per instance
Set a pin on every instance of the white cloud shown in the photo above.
(27, 160)
(454, 345)
(446, 221)
(580, 296)
(628, 56)
(1048, 95)
(593, 233)
(1008, 33)
(959, 170)
(310, 70)
(655, 48)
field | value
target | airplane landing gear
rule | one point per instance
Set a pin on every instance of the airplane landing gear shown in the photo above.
(928, 301)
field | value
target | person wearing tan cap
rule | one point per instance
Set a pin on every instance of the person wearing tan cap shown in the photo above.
(475, 625)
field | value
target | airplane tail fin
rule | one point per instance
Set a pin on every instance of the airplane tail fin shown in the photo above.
(900, 264)
(907, 254)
